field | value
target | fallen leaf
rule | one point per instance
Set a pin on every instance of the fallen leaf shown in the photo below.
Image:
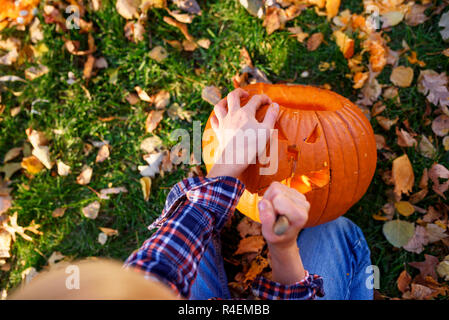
(443, 268)
(437, 172)
(405, 208)
(10, 168)
(103, 153)
(391, 18)
(55, 257)
(275, 19)
(440, 125)
(211, 94)
(418, 196)
(58, 212)
(415, 15)
(102, 238)
(150, 144)
(256, 268)
(161, 99)
(403, 281)
(43, 154)
(254, 7)
(418, 292)
(190, 6)
(158, 53)
(446, 143)
(181, 17)
(434, 86)
(14, 228)
(12, 153)
(426, 267)
(386, 123)
(148, 4)
(177, 112)
(314, 41)
(5, 202)
(250, 244)
(104, 193)
(5, 244)
(154, 161)
(402, 76)
(145, 183)
(204, 43)
(181, 26)
(249, 227)
(109, 232)
(32, 164)
(398, 232)
(332, 7)
(134, 31)
(35, 72)
(142, 94)
(346, 45)
(405, 139)
(298, 33)
(85, 175)
(403, 176)
(418, 241)
(91, 210)
(189, 45)
(444, 23)
(426, 148)
(128, 9)
(153, 119)
(435, 232)
(63, 169)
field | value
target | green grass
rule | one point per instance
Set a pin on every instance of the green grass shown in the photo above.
(229, 27)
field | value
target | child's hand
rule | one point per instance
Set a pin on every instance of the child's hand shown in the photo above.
(231, 123)
(284, 253)
(282, 200)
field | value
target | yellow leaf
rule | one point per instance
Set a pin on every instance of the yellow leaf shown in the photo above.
(332, 7)
(32, 164)
(403, 176)
(145, 182)
(402, 76)
(405, 208)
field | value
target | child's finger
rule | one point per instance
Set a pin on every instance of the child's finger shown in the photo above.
(214, 123)
(220, 109)
(255, 102)
(234, 99)
(271, 116)
(267, 217)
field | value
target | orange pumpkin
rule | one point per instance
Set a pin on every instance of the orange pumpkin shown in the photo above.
(326, 150)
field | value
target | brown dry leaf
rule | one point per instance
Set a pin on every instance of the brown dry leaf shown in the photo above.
(12, 153)
(63, 169)
(391, 18)
(437, 172)
(32, 164)
(431, 215)
(249, 227)
(132, 98)
(148, 4)
(377, 108)
(134, 31)
(190, 6)
(153, 119)
(5, 244)
(14, 228)
(58, 212)
(380, 142)
(5, 200)
(426, 148)
(298, 33)
(413, 59)
(403, 175)
(88, 67)
(435, 232)
(36, 138)
(104, 193)
(405, 139)
(211, 94)
(189, 45)
(43, 154)
(415, 15)
(161, 99)
(275, 18)
(158, 53)
(10, 168)
(128, 9)
(181, 26)
(426, 267)
(175, 44)
(150, 144)
(440, 125)
(142, 94)
(250, 244)
(315, 41)
(85, 175)
(419, 292)
(418, 196)
(418, 241)
(181, 17)
(404, 281)
(91, 210)
(145, 183)
(204, 43)
(35, 72)
(109, 232)
(386, 123)
(177, 112)
(103, 153)
(434, 86)
(256, 268)
(402, 76)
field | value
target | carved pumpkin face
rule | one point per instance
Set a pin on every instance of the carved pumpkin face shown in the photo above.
(326, 150)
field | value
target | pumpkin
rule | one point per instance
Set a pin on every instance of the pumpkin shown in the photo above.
(326, 150)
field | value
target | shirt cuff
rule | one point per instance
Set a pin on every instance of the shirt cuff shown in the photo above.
(219, 195)
(306, 289)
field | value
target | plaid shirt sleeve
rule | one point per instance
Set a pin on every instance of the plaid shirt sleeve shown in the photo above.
(306, 289)
(195, 209)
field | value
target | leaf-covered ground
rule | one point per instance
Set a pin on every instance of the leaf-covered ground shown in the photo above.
(88, 98)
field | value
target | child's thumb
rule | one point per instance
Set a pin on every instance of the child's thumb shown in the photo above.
(266, 213)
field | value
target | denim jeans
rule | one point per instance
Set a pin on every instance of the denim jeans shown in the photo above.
(336, 250)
